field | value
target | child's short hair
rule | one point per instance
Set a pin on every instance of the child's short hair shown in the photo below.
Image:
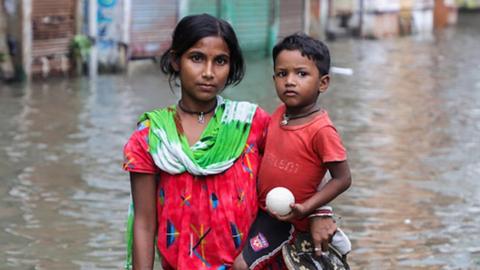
(191, 29)
(313, 49)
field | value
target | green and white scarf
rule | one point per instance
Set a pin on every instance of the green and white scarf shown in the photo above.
(220, 144)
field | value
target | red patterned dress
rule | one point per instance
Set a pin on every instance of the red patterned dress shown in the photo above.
(203, 221)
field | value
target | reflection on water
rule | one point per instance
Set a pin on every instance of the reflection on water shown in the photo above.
(409, 117)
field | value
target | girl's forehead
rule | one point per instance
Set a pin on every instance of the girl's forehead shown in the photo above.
(211, 44)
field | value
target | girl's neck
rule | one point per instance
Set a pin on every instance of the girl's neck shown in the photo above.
(196, 106)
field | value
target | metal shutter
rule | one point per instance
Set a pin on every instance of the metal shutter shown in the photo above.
(291, 17)
(151, 28)
(204, 6)
(251, 21)
(53, 27)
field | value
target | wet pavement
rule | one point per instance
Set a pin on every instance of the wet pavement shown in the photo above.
(409, 116)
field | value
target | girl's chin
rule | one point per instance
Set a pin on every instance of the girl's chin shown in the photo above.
(205, 98)
(202, 96)
(208, 96)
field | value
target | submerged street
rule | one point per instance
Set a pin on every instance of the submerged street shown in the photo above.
(409, 117)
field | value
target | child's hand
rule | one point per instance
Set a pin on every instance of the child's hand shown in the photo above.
(298, 211)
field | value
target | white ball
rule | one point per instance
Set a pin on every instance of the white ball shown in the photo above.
(279, 199)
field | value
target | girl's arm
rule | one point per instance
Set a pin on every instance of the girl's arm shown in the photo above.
(322, 230)
(145, 223)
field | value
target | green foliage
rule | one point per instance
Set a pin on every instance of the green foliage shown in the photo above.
(80, 46)
(2, 57)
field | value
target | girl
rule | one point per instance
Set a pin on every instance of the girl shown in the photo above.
(193, 165)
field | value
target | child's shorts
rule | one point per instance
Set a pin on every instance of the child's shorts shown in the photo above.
(265, 240)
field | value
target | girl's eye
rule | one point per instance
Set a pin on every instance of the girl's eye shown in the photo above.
(196, 58)
(221, 61)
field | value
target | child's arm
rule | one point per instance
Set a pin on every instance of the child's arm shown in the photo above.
(341, 181)
(145, 225)
(322, 229)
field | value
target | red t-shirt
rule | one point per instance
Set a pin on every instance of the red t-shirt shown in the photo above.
(295, 157)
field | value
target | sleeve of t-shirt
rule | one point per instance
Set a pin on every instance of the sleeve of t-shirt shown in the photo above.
(135, 152)
(328, 145)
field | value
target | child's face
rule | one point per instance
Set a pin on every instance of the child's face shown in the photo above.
(297, 79)
(204, 69)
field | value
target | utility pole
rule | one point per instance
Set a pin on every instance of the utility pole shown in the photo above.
(324, 7)
(92, 33)
(26, 38)
(307, 19)
(361, 14)
(124, 54)
(274, 25)
(182, 9)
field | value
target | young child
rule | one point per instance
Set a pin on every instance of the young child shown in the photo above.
(193, 166)
(302, 145)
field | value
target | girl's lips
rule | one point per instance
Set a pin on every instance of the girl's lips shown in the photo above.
(206, 87)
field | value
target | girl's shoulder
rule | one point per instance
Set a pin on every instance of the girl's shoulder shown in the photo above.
(259, 113)
(153, 115)
(261, 119)
(143, 124)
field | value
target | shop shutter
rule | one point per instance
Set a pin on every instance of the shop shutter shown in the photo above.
(249, 18)
(152, 26)
(53, 27)
(251, 21)
(291, 17)
(204, 6)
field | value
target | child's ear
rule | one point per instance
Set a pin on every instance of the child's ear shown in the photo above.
(174, 61)
(324, 83)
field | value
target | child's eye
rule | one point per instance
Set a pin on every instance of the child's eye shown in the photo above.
(281, 74)
(302, 73)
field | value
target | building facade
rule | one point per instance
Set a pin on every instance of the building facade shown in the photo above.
(110, 33)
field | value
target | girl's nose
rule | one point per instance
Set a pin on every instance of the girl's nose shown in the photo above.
(208, 71)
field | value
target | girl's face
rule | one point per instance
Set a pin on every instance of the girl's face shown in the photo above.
(297, 79)
(204, 69)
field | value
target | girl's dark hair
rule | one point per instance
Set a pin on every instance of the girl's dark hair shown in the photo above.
(313, 49)
(191, 29)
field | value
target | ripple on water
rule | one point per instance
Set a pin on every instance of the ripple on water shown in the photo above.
(408, 115)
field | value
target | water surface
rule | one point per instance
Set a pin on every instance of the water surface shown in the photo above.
(409, 117)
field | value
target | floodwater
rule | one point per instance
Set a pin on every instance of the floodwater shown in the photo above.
(409, 116)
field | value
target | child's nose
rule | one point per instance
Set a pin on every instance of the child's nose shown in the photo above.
(289, 80)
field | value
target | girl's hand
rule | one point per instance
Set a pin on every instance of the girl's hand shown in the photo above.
(322, 230)
(298, 211)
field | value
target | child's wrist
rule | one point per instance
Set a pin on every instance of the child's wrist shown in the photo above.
(323, 211)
